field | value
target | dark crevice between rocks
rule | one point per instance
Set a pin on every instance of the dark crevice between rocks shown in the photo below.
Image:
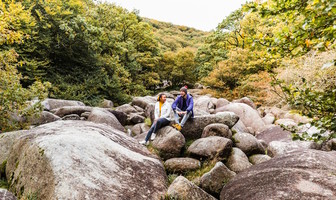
(3, 179)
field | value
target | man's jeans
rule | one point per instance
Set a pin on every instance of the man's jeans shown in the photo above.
(161, 122)
(184, 119)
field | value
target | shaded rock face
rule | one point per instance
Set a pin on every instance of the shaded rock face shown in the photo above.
(83, 160)
(136, 118)
(274, 133)
(249, 116)
(211, 147)
(45, 117)
(102, 116)
(122, 117)
(217, 130)
(330, 145)
(308, 174)
(182, 164)
(51, 104)
(169, 142)
(193, 128)
(214, 180)
(182, 188)
(6, 195)
(238, 161)
(248, 143)
(71, 117)
(259, 158)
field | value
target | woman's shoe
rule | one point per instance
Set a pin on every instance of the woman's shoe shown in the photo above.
(143, 142)
(153, 136)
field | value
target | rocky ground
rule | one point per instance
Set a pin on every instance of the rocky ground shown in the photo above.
(230, 150)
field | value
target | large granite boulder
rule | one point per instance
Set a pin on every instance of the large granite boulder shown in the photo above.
(83, 160)
(259, 158)
(7, 140)
(51, 104)
(169, 142)
(193, 128)
(143, 102)
(217, 130)
(214, 180)
(221, 102)
(6, 195)
(238, 161)
(102, 116)
(211, 147)
(305, 174)
(182, 188)
(248, 144)
(180, 165)
(249, 116)
(204, 103)
(276, 148)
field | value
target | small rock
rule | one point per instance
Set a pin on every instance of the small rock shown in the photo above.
(85, 114)
(45, 117)
(211, 147)
(269, 118)
(6, 195)
(182, 188)
(259, 158)
(247, 101)
(217, 130)
(139, 128)
(126, 108)
(330, 145)
(214, 180)
(51, 104)
(238, 161)
(248, 143)
(222, 102)
(178, 165)
(107, 104)
(136, 118)
(68, 110)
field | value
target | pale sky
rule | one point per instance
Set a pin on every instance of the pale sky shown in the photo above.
(203, 15)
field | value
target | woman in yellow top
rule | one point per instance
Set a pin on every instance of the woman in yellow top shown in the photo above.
(161, 114)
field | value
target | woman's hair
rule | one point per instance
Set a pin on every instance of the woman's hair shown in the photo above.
(160, 96)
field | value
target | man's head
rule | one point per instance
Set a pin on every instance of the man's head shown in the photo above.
(183, 91)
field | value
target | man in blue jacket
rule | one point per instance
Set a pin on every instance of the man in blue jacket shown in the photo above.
(183, 108)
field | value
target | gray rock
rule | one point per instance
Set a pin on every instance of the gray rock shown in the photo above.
(149, 111)
(122, 117)
(248, 143)
(269, 118)
(249, 116)
(179, 165)
(51, 104)
(182, 188)
(193, 128)
(85, 114)
(83, 160)
(143, 102)
(126, 108)
(107, 104)
(217, 130)
(330, 145)
(238, 161)
(276, 148)
(68, 110)
(45, 117)
(305, 174)
(214, 180)
(274, 133)
(204, 103)
(211, 147)
(102, 116)
(222, 102)
(246, 101)
(169, 142)
(286, 122)
(71, 117)
(240, 127)
(136, 118)
(259, 158)
(139, 109)
(6, 195)
(139, 128)
(6, 142)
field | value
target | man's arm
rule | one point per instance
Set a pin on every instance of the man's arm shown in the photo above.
(191, 105)
(175, 103)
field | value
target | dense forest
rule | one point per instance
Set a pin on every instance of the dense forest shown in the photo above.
(275, 52)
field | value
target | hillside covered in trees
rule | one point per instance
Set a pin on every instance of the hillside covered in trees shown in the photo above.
(276, 52)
